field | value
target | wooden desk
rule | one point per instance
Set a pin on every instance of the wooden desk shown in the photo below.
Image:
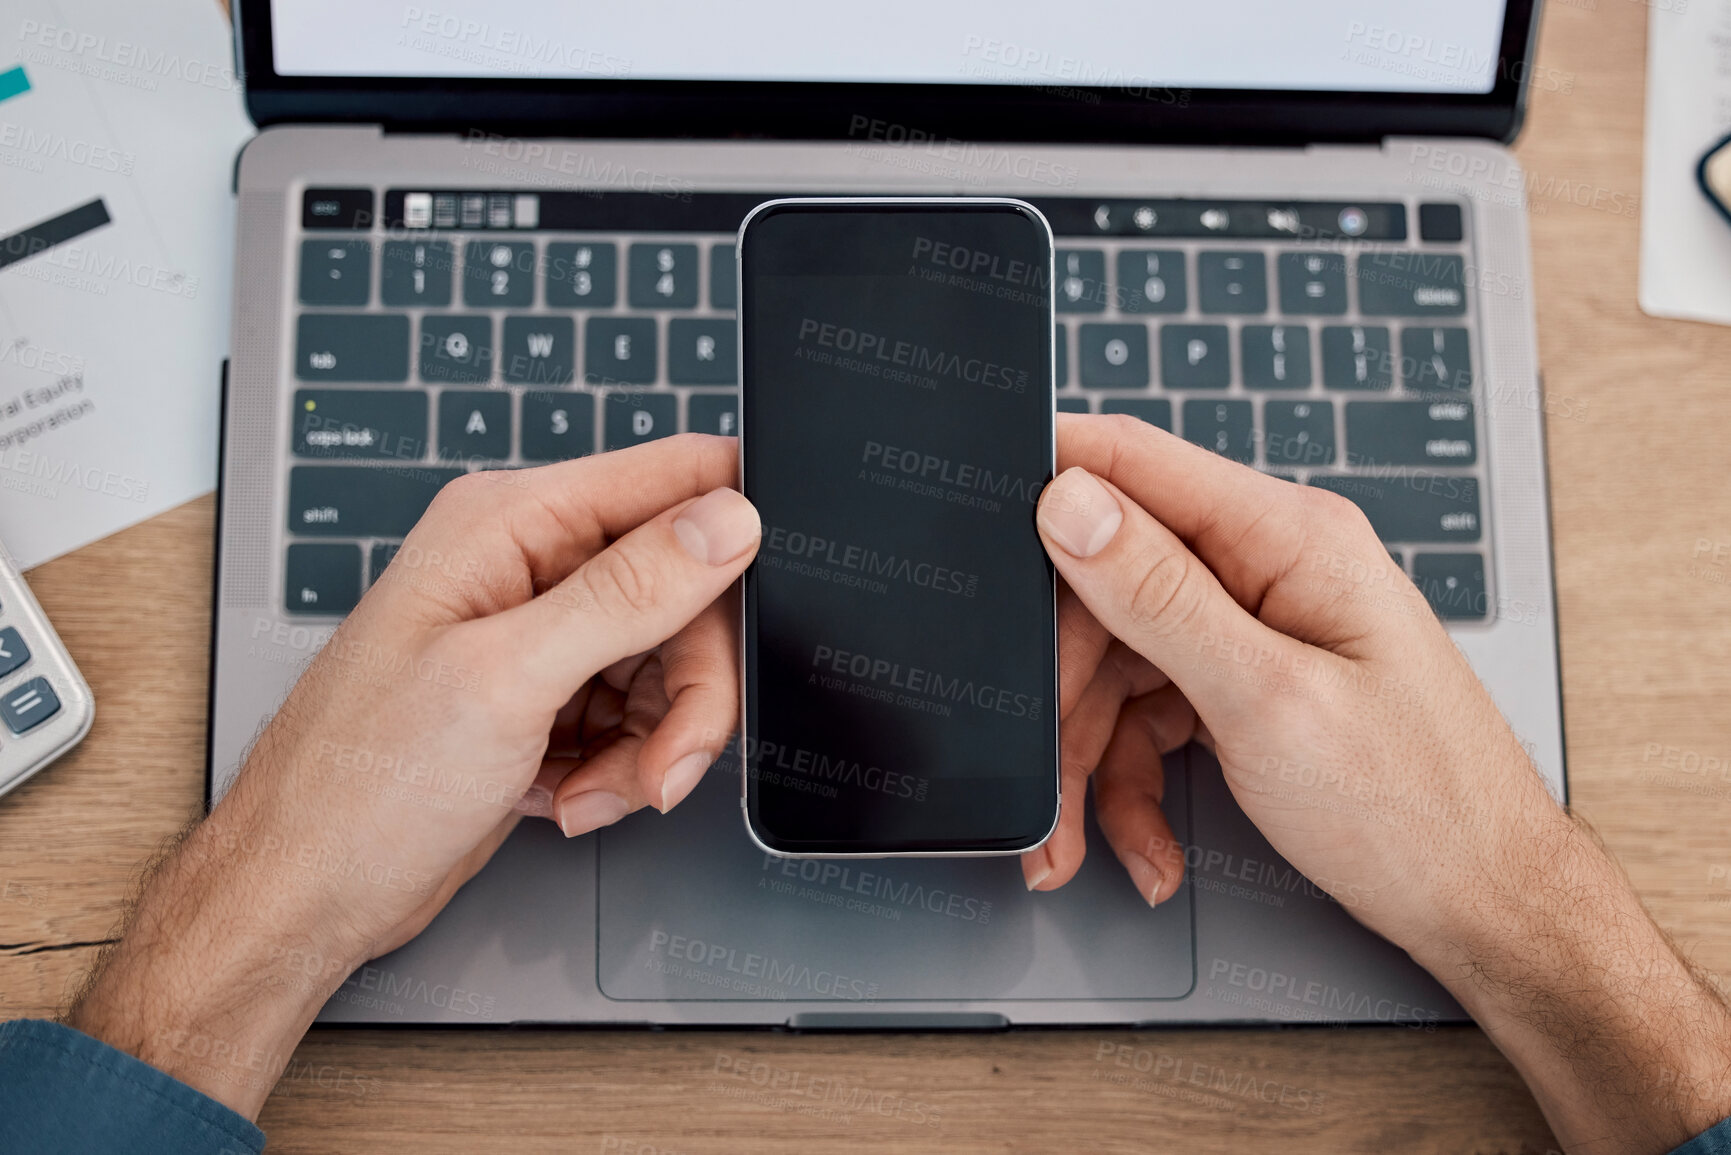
(1638, 478)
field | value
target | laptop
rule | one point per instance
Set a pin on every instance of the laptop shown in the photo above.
(499, 234)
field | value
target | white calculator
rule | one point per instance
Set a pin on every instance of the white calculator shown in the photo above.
(46, 707)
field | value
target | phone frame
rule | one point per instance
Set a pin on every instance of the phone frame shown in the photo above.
(745, 683)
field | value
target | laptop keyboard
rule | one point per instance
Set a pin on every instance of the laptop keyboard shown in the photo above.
(1318, 342)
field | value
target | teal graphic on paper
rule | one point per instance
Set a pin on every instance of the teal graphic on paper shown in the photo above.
(13, 83)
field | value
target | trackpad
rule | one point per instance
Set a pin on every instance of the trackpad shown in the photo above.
(691, 909)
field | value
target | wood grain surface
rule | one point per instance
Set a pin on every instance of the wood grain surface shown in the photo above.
(1639, 460)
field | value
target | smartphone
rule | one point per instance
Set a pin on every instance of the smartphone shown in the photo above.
(896, 430)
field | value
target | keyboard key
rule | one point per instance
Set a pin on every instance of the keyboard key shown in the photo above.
(474, 426)
(417, 273)
(1152, 281)
(337, 208)
(1312, 284)
(582, 275)
(13, 651)
(1440, 223)
(1073, 405)
(1356, 357)
(619, 351)
(723, 277)
(359, 500)
(29, 705)
(1081, 281)
(1061, 353)
(1155, 411)
(456, 349)
(499, 273)
(1453, 583)
(336, 272)
(713, 413)
(633, 418)
(1298, 434)
(351, 347)
(1194, 357)
(1276, 356)
(1232, 282)
(540, 351)
(1113, 356)
(662, 277)
(360, 423)
(702, 352)
(1411, 433)
(322, 579)
(558, 426)
(378, 558)
(1226, 427)
(1412, 284)
(1415, 507)
(1433, 359)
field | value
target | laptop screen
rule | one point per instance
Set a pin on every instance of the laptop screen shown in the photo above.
(1350, 46)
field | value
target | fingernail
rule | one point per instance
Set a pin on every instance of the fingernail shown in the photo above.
(1078, 513)
(1040, 875)
(591, 810)
(537, 802)
(1144, 874)
(682, 778)
(717, 527)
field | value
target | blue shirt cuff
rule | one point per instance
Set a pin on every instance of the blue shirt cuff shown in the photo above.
(1713, 1141)
(63, 1091)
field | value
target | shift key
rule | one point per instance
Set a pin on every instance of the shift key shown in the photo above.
(354, 501)
(1413, 507)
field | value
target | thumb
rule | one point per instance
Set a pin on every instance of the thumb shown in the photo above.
(1154, 595)
(633, 595)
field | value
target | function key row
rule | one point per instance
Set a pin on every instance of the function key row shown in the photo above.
(1354, 357)
(470, 349)
(1397, 283)
(504, 274)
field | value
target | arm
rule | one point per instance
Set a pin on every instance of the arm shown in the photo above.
(1208, 602)
(547, 641)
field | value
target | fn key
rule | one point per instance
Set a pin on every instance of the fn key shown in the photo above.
(322, 579)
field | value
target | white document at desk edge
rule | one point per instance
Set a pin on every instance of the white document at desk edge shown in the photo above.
(111, 344)
(1685, 243)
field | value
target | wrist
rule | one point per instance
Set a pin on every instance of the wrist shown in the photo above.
(1552, 953)
(221, 968)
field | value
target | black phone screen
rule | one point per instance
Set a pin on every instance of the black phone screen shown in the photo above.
(900, 623)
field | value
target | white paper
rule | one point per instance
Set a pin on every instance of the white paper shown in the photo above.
(111, 344)
(1685, 243)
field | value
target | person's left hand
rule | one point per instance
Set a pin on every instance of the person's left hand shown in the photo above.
(553, 641)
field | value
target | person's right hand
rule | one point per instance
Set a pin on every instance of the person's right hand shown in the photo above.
(1207, 601)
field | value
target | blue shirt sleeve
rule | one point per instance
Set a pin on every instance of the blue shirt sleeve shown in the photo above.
(1713, 1141)
(62, 1091)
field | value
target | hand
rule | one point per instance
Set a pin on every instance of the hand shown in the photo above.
(1206, 601)
(552, 640)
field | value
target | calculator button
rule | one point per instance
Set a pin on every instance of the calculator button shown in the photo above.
(13, 651)
(322, 579)
(29, 705)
